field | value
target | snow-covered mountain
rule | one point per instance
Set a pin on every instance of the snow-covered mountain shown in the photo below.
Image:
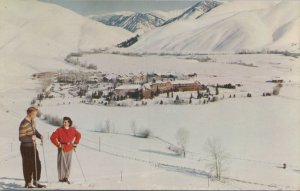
(36, 36)
(196, 10)
(134, 22)
(229, 27)
(166, 15)
(143, 22)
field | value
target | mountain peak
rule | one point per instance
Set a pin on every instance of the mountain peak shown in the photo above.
(137, 22)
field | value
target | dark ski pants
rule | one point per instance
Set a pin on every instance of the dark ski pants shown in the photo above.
(29, 168)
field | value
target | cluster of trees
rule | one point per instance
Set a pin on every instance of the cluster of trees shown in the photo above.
(128, 42)
(53, 120)
(116, 98)
(266, 51)
(199, 96)
(42, 96)
(75, 61)
(72, 77)
(97, 94)
(82, 91)
(228, 86)
(140, 132)
(204, 59)
(171, 92)
(267, 94)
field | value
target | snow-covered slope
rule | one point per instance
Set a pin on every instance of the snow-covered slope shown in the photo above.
(36, 36)
(231, 26)
(284, 20)
(196, 11)
(135, 22)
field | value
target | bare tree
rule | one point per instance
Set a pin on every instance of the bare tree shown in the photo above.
(107, 126)
(182, 137)
(133, 127)
(217, 157)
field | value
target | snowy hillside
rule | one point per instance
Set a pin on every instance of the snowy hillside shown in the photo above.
(254, 25)
(134, 22)
(196, 11)
(39, 39)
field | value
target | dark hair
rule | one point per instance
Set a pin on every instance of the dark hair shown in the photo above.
(31, 109)
(69, 120)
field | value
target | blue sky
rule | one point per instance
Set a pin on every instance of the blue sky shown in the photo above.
(98, 7)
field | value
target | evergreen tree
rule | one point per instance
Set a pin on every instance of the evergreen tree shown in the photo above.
(177, 100)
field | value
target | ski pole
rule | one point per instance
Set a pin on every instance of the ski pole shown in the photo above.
(45, 162)
(35, 166)
(80, 165)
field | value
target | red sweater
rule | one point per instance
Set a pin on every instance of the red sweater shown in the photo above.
(65, 137)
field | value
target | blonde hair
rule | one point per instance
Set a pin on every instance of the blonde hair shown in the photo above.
(31, 109)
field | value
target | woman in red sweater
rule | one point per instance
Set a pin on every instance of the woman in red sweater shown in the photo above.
(65, 138)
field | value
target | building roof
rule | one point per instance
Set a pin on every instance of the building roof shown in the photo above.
(184, 82)
(161, 82)
(129, 87)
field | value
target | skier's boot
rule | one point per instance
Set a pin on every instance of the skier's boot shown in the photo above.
(38, 185)
(67, 180)
(29, 186)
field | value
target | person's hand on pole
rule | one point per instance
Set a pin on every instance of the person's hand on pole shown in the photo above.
(33, 138)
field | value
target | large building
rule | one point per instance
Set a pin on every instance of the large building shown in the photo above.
(150, 89)
(186, 85)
